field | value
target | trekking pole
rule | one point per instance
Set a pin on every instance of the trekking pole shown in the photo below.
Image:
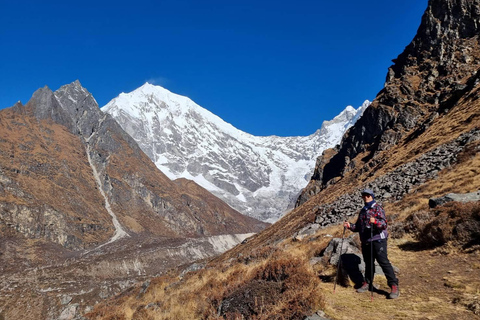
(373, 261)
(339, 259)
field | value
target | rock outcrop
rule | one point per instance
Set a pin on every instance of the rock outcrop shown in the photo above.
(459, 197)
(437, 69)
(84, 213)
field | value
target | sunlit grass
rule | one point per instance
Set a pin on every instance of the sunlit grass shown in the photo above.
(436, 283)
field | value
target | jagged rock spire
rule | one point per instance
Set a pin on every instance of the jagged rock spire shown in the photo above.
(435, 69)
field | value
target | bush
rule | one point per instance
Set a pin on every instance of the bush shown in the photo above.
(454, 222)
(284, 287)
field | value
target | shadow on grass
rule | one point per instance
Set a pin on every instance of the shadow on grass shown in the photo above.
(413, 246)
(380, 291)
(351, 265)
(350, 269)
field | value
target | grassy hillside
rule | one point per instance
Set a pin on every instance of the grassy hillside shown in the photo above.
(271, 276)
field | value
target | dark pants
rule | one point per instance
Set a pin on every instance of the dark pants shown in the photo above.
(380, 254)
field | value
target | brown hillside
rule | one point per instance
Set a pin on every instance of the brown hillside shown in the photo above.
(419, 139)
(85, 213)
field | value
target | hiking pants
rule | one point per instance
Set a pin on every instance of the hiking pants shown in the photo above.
(380, 255)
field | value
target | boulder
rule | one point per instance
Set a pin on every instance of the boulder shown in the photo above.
(352, 264)
(319, 315)
(459, 197)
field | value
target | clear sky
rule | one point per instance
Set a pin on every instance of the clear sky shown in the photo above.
(267, 67)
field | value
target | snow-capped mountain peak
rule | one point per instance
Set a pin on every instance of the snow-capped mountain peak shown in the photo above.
(151, 99)
(258, 176)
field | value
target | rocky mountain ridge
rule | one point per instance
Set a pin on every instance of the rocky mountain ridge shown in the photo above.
(437, 69)
(259, 176)
(80, 202)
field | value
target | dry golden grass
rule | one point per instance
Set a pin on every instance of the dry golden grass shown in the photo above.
(282, 284)
(440, 283)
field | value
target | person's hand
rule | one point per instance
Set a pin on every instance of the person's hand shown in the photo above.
(372, 220)
(346, 224)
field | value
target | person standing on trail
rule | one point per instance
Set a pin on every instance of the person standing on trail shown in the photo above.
(372, 227)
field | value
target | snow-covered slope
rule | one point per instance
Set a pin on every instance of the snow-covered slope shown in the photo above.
(258, 176)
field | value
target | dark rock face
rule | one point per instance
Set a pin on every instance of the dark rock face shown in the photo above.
(436, 69)
(394, 185)
(46, 107)
(315, 184)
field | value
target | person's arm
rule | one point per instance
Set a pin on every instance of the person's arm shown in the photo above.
(351, 227)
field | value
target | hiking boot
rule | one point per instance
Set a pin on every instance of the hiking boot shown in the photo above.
(395, 292)
(365, 287)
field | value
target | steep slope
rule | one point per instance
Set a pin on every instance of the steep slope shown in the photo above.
(123, 180)
(428, 79)
(259, 176)
(76, 191)
(419, 139)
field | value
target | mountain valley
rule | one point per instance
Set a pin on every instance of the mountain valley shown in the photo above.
(92, 225)
(418, 140)
(85, 213)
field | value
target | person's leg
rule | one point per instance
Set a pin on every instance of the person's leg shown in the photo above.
(380, 252)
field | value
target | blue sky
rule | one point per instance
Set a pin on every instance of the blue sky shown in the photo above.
(267, 67)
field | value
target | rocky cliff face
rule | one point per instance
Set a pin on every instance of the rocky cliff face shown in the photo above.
(76, 191)
(437, 69)
(110, 177)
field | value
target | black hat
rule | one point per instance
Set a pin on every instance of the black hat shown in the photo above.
(369, 192)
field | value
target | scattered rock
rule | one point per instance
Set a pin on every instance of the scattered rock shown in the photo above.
(319, 315)
(193, 267)
(69, 312)
(144, 288)
(459, 197)
(65, 300)
(309, 230)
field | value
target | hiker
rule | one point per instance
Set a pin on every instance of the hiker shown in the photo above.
(372, 215)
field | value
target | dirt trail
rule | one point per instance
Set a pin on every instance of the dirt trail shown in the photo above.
(434, 284)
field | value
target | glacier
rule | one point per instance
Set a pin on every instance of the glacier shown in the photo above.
(260, 176)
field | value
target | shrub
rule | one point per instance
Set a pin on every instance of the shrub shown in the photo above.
(454, 222)
(283, 287)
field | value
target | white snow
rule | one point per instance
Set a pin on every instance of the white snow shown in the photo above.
(257, 175)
